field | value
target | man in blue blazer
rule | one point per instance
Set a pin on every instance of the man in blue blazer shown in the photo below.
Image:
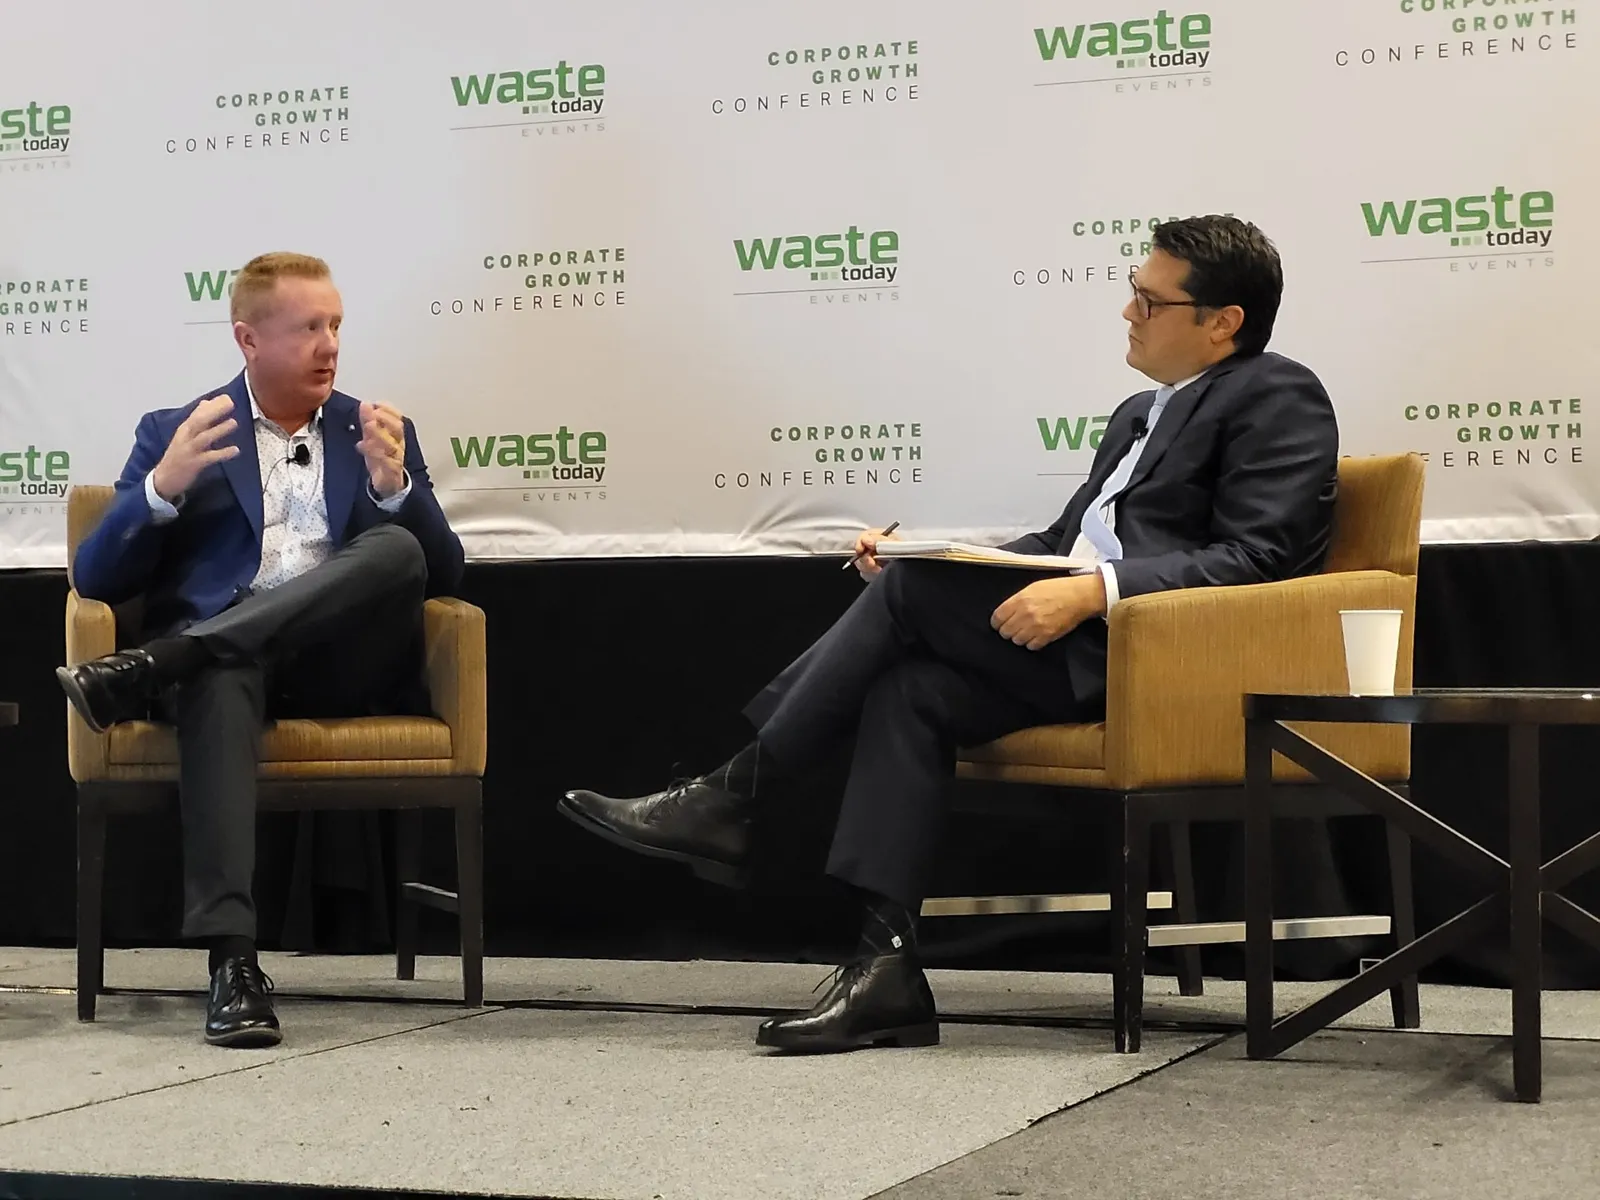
(1223, 474)
(282, 537)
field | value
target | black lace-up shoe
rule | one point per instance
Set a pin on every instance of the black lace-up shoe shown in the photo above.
(880, 1000)
(693, 822)
(239, 1009)
(106, 690)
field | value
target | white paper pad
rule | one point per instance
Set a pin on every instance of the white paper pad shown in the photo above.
(987, 556)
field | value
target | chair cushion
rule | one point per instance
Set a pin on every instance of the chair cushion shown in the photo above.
(1073, 746)
(369, 740)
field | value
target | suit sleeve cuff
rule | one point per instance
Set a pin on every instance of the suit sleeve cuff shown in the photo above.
(161, 511)
(393, 503)
(1108, 573)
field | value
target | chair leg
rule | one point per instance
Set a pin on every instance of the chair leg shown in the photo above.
(407, 869)
(1130, 894)
(1403, 998)
(91, 899)
(1181, 862)
(469, 891)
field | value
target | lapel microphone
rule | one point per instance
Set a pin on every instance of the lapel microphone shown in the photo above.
(1139, 429)
(302, 454)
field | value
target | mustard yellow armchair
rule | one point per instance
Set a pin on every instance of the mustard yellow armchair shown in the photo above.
(401, 763)
(1171, 747)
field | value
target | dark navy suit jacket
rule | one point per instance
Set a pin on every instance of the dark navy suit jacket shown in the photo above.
(1236, 486)
(194, 567)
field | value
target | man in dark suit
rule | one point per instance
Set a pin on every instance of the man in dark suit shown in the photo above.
(282, 537)
(1225, 474)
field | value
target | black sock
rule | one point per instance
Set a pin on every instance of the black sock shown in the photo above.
(887, 926)
(745, 772)
(177, 658)
(228, 946)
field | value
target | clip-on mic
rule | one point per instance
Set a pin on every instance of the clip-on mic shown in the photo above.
(1139, 429)
(301, 456)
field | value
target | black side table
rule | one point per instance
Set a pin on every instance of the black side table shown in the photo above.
(1524, 890)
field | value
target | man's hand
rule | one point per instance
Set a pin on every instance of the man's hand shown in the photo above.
(194, 447)
(383, 445)
(1050, 609)
(867, 549)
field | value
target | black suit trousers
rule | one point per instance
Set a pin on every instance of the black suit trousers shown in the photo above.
(343, 639)
(914, 670)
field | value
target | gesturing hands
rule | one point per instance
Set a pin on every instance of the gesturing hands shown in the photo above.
(194, 447)
(383, 446)
(1050, 609)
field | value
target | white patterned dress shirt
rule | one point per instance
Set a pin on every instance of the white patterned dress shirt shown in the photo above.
(294, 509)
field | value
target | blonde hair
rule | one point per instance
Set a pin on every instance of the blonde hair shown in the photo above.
(256, 279)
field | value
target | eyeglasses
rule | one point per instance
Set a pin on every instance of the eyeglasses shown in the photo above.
(1147, 304)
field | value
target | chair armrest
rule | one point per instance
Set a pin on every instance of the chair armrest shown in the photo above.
(91, 633)
(1178, 662)
(456, 667)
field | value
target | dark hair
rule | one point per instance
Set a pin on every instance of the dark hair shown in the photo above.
(1230, 262)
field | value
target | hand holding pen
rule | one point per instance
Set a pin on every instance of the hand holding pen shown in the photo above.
(865, 557)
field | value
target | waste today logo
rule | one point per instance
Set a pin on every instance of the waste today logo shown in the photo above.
(559, 279)
(296, 115)
(1069, 443)
(1541, 432)
(848, 74)
(1410, 33)
(532, 103)
(852, 266)
(1493, 231)
(44, 308)
(208, 293)
(1155, 53)
(555, 467)
(35, 136)
(31, 475)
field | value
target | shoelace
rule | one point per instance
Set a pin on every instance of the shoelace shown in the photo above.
(673, 794)
(263, 980)
(251, 977)
(840, 973)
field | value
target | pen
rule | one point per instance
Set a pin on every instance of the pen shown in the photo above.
(893, 525)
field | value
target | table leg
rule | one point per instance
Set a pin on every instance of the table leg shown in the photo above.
(1526, 917)
(1258, 888)
(1403, 996)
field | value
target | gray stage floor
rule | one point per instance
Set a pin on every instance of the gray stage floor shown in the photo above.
(1344, 1116)
(594, 1102)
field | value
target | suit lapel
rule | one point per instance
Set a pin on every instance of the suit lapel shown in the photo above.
(1174, 417)
(243, 470)
(342, 466)
(1125, 441)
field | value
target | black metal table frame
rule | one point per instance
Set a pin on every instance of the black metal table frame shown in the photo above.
(1525, 890)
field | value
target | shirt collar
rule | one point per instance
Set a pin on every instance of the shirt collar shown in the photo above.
(1176, 387)
(257, 415)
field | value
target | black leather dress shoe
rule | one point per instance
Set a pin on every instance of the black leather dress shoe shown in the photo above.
(692, 822)
(883, 1000)
(118, 687)
(239, 1010)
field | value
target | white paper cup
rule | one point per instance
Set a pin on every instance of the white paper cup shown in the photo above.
(1371, 649)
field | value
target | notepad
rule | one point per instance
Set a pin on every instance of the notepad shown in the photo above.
(983, 556)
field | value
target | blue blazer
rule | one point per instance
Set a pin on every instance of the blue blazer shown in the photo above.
(192, 568)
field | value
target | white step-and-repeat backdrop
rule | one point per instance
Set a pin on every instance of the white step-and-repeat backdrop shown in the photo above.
(662, 277)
